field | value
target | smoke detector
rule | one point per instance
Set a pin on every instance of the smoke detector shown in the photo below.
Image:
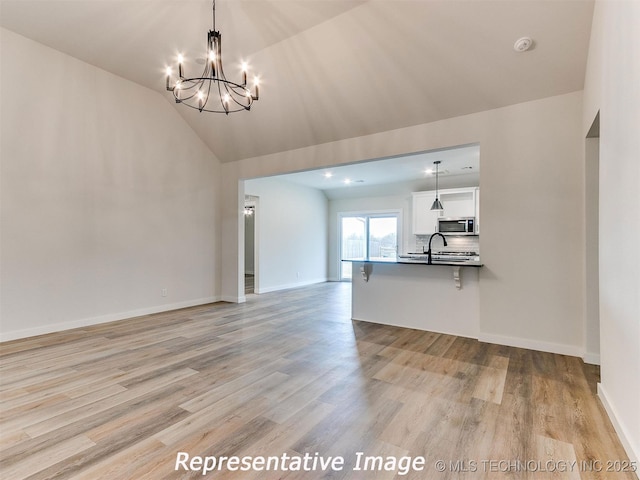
(523, 44)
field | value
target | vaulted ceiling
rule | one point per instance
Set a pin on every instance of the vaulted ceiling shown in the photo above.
(330, 69)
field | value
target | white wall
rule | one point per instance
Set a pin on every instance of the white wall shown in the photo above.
(611, 87)
(292, 234)
(365, 204)
(108, 197)
(532, 194)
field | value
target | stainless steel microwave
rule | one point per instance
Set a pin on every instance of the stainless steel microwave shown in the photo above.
(457, 225)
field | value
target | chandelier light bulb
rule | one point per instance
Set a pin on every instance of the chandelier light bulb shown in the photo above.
(168, 76)
(212, 55)
(244, 67)
(180, 62)
(200, 101)
(256, 84)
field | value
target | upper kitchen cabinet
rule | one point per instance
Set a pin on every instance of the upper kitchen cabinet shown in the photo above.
(425, 220)
(457, 202)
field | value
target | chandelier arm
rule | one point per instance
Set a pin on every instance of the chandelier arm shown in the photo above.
(182, 99)
(214, 111)
(222, 103)
(221, 69)
(208, 94)
(191, 85)
(230, 88)
(232, 95)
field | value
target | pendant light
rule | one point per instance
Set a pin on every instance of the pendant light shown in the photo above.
(436, 203)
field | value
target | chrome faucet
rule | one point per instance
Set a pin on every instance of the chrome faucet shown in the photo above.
(429, 262)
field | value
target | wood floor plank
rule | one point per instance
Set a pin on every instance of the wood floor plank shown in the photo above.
(552, 452)
(290, 372)
(490, 384)
(47, 457)
(106, 399)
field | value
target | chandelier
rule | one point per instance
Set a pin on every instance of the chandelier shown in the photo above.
(211, 91)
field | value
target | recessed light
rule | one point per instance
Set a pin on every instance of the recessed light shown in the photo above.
(328, 174)
(523, 44)
(347, 181)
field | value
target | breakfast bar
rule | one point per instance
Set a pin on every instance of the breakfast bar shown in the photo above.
(440, 297)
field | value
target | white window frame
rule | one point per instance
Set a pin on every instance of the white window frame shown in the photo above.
(397, 212)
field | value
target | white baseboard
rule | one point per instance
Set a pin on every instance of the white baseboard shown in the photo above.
(432, 330)
(591, 358)
(550, 347)
(291, 285)
(86, 322)
(634, 456)
(234, 299)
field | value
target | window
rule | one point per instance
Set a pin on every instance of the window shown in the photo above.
(372, 236)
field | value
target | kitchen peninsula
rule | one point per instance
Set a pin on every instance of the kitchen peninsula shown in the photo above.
(407, 292)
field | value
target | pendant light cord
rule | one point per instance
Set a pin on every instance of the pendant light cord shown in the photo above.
(214, 15)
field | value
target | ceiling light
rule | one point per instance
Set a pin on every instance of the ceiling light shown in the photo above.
(211, 91)
(436, 203)
(347, 181)
(328, 174)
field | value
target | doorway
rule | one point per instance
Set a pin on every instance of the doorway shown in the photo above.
(250, 212)
(372, 236)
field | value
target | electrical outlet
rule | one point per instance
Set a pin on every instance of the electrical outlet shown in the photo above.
(163, 292)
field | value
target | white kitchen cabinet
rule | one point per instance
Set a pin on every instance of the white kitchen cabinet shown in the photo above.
(457, 202)
(477, 211)
(425, 220)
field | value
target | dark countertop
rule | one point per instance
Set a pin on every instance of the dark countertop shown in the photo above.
(414, 261)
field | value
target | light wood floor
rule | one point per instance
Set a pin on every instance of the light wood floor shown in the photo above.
(289, 372)
(249, 283)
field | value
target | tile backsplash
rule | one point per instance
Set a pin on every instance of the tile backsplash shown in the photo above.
(469, 243)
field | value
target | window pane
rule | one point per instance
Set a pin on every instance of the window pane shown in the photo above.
(353, 242)
(383, 237)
